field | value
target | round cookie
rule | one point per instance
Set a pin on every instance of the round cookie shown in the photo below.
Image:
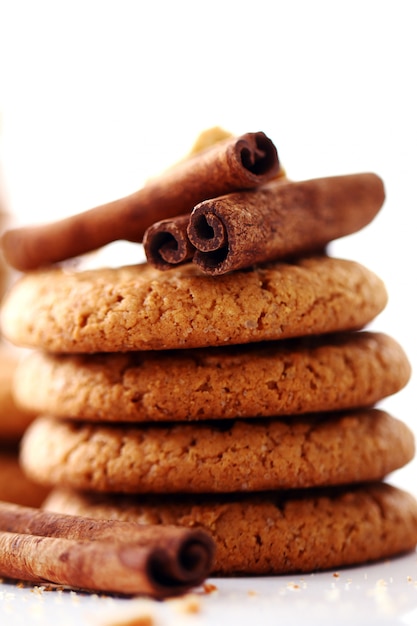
(141, 308)
(14, 419)
(224, 456)
(274, 533)
(288, 377)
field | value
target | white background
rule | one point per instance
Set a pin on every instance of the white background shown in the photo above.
(96, 96)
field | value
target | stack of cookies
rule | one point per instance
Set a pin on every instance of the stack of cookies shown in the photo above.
(245, 404)
(15, 486)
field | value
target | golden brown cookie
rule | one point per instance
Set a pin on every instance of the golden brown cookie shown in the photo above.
(14, 419)
(224, 456)
(15, 486)
(140, 308)
(274, 533)
(288, 377)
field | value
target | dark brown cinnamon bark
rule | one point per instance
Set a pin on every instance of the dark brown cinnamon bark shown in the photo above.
(233, 164)
(102, 555)
(281, 219)
(166, 243)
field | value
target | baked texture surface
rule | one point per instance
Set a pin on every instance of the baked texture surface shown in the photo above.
(224, 456)
(274, 533)
(288, 377)
(140, 308)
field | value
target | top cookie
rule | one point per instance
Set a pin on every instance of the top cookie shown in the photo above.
(140, 308)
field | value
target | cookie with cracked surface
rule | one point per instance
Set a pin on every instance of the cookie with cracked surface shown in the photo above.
(141, 308)
(274, 533)
(223, 456)
(288, 377)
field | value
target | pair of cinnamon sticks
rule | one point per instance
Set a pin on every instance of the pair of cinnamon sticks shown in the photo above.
(277, 220)
(225, 208)
(101, 555)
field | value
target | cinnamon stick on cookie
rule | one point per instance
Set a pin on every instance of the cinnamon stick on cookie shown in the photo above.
(101, 555)
(233, 164)
(166, 243)
(281, 219)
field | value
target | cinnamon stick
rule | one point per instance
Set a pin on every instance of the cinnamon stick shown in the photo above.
(281, 219)
(166, 243)
(101, 555)
(233, 164)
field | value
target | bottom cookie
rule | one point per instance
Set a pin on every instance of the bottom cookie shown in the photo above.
(273, 533)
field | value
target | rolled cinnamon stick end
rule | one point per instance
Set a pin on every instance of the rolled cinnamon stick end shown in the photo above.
(166, 243)
(102, 555)
(281, 219)
(236, 163)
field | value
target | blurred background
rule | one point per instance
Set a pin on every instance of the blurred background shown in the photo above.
(98, 96)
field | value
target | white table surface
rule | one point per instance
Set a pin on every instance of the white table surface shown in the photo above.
(383, 593)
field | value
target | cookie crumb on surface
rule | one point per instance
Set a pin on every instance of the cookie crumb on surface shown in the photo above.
(136, 616)
(139, 620)
(189, 603)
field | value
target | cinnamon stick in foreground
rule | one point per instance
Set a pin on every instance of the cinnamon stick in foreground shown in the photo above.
(236, 163)
(281, 219)
(102, 555)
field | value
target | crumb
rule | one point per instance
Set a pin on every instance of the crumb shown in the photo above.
(138, 620)
(209, 588)
(336, 575)
(75, 599)
(37, 590)
(252, 593)
(140, 612)
(188, 604)
(293, 586)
